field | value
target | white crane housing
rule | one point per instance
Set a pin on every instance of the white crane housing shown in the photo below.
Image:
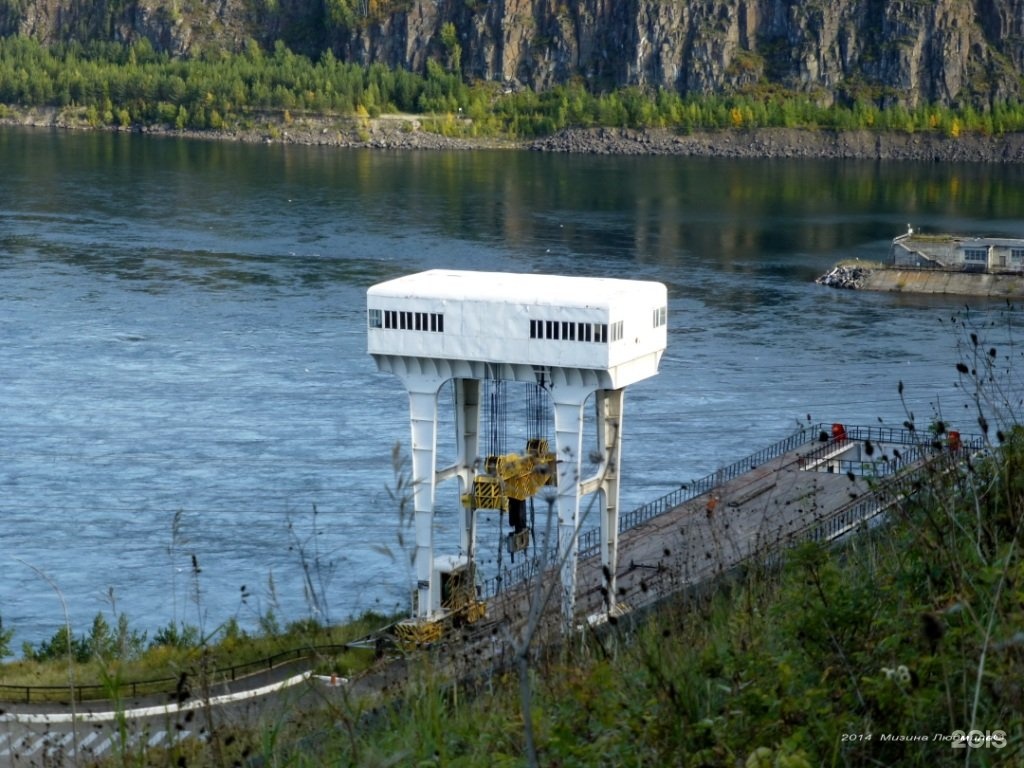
(576, 336)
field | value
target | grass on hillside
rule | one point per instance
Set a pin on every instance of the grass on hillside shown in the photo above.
(155, 669)
(891, 650)
(902, 646)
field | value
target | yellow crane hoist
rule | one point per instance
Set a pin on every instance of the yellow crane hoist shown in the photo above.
(512, 476)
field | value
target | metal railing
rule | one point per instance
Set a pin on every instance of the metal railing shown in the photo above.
(840, 522)
(825, 450)
(511, 577)
(848, 517)
(590, 541)
(903, 436)
(922, 446)
(221, 676)
(882, 467)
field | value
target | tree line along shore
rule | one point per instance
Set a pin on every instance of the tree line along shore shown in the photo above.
(279, 96)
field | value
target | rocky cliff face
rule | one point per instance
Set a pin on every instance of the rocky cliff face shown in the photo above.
(179, 28)
(892, 51)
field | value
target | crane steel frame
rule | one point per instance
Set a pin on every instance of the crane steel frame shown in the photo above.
(578, 336)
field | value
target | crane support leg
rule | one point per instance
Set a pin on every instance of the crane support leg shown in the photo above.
(609, 403)
(568, 405)
(423, 418)
(467, 431)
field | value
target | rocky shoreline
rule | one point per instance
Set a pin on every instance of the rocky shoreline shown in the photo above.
(791, 143)
(408, 132)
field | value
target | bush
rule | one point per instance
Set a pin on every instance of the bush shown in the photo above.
(5, 639)
(59, 647)
(184, 637)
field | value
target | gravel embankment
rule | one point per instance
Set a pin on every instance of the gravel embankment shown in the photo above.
(789, 143)
(406, 132)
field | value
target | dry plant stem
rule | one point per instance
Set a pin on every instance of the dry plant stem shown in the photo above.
(177, 539)
(521, 647)
(204, 666)
(848, 668)
(71, 661)
(544, 590)
(988, 635)
(315, 571)
(346, 714)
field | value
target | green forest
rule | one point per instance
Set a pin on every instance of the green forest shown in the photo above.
(111, 85)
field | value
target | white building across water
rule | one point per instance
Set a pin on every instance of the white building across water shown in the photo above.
(961, 254)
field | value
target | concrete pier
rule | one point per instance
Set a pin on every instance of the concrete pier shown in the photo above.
(818, 484)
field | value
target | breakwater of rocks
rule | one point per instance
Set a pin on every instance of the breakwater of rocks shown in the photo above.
(845, 276)
(789, 143)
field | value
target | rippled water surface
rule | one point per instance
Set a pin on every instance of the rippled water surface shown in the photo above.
(183, 368)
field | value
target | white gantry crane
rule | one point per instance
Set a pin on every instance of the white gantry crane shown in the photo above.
(572, 337)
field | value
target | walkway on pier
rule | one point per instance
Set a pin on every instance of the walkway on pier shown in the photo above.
(817, 484)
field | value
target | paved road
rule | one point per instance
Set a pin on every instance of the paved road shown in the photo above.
(48, 735)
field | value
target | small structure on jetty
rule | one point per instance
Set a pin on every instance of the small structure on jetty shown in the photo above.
(939, 264)
(567, 340)
(993, 255)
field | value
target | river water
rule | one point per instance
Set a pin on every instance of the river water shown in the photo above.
(183, 367)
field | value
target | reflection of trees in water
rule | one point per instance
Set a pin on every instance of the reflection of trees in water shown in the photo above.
(672, 211)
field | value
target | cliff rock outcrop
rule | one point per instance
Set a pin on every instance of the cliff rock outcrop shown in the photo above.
(953, 52)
